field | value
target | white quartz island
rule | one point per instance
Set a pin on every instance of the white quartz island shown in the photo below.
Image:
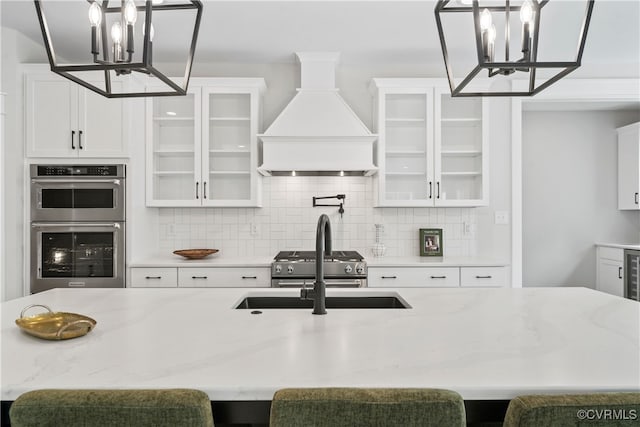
(486, 344)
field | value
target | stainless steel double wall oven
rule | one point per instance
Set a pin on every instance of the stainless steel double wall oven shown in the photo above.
(77, 226)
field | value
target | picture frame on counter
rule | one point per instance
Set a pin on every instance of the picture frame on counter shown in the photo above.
(431, 243)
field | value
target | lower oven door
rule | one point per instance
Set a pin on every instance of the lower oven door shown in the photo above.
(331, 283)
(69, 255)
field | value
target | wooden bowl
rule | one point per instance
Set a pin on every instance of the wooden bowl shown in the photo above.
(195, 253)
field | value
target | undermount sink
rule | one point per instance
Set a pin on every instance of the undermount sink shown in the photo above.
(349, 302)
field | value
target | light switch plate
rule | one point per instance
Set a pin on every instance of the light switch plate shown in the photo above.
(502, 217)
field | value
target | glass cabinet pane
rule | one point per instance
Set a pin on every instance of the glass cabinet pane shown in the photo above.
(229, 142)
(406, 145)
(461, 141)
(174, 147)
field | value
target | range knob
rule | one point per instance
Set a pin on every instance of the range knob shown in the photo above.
(348, 269)
(360, 268)
(290, 269)
(278, 268)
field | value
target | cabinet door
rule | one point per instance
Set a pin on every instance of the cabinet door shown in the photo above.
(461, 150)
(629, 167)
(610, 277)
(413, 277)
(162, 277)
(229, 147)
(51, 116)
(173, 133)
(483, 277)
(405, 119)
(102, 130)
(224, 277)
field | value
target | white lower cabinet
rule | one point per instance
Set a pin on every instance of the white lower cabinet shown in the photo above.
(483, 277)
(224, 277)
(437, 277)
(610, 271)
(154, 278)
(406, 277)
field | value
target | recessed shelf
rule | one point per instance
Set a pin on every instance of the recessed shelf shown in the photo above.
(225, 151)
(461, 153)
(405, 174)
(229, 119)
(405, 152)
(229, 173)
(173, 119)
(460, 174)
(174, 173)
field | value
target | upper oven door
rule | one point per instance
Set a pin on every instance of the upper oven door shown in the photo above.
(77, 199)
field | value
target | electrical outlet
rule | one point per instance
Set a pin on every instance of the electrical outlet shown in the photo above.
(253, 229)
(502, 217)
(468, 229)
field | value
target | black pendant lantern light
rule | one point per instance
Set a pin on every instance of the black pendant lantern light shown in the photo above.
(496, 25)
(115, 43)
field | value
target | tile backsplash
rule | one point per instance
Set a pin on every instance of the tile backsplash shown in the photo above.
(288, 221)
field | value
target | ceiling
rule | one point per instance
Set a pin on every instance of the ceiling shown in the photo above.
(363, 31)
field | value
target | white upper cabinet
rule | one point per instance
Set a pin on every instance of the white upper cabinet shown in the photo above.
(63, 119)
(629, 167)
(202, 149)
(432, 149)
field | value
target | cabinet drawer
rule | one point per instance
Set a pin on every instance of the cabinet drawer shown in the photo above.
(414, 277)
(483, 276)
(224, 277)
(615, 254)
(154, 277)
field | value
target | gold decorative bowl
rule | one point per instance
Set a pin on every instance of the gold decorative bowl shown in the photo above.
(55, 325)
(195, 253)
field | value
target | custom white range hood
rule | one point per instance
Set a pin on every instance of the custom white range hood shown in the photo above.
(317, 133)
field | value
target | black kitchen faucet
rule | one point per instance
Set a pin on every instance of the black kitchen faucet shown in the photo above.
(323, 244)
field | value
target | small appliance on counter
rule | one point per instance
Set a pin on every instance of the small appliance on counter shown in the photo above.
(77, 226)
(342, 269)
(632, 274)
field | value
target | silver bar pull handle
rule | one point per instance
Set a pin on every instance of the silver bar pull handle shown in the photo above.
(75, 224)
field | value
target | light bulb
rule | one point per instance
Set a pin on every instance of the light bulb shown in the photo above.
(150, 32)
(491, 34)
(116, 32)
(95, 14)
(485, 19)
(130, 13)
(526, 11)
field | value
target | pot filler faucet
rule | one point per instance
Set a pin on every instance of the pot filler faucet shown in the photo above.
(323, 245)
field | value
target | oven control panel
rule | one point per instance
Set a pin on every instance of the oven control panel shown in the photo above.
(77, 170)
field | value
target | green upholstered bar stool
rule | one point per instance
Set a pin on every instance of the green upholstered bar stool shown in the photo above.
(106, 408)
(592, 410)
(353, 407)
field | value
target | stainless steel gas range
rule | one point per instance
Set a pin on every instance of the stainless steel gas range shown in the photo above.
(345, 269)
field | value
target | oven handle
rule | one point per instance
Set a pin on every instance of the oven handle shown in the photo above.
(75, 224)
(75, 181)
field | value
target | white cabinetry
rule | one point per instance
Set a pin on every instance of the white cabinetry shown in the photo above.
(629, 167)
(610, 271)
(202, 149)
(200, 277)
(155, 277)
(63, 119)
(436, 277)
(224, 277)
(404, 277)
(432, 149)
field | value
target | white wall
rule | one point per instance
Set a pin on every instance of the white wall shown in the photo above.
(570, 194)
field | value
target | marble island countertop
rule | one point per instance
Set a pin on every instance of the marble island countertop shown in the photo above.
(483, 343)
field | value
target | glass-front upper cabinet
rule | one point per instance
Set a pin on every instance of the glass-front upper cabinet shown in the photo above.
(202, 149)
(461, 150)
(173, 150)
(431, 147)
